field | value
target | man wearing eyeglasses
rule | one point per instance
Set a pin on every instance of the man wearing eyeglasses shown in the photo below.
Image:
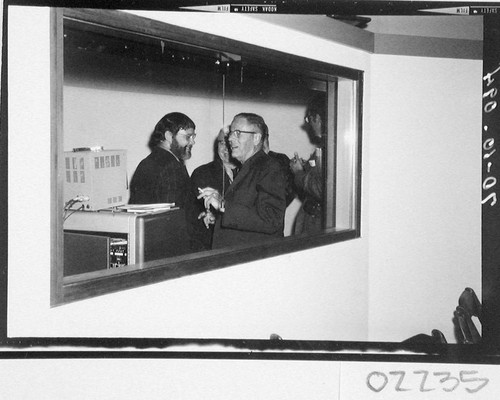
(253, 208)
(308, 175)
(162, 176)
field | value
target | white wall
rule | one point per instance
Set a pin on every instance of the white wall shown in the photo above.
(319, 294)
(425, 191)
(420, 242)
(460, 27)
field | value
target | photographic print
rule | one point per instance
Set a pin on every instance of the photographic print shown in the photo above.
(217, 179)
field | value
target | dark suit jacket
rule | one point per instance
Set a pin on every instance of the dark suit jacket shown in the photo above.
(255, 204)
(160, 178)
(210, 175)
(285, 164)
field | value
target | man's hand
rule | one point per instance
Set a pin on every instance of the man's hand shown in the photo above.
(211, 197)
(296, 164)
(208, 218)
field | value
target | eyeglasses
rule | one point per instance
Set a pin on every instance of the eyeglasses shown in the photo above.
(308, 118)
(189, 136)
(238, 133)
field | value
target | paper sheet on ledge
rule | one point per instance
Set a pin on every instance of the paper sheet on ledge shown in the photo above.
(146, 208)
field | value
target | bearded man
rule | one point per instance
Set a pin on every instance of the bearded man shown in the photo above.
(162, 176)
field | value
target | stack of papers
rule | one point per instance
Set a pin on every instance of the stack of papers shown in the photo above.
(148, 208)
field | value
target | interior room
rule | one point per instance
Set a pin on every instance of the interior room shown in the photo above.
(393, 267)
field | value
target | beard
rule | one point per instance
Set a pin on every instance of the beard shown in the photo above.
(181, 152)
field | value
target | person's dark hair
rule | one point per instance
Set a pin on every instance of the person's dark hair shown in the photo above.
(172, 122)
(256, 120)
(317, 105)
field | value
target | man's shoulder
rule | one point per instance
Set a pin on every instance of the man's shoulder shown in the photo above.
(282, 158)
(157, 161)
(163, 155)
(205, 167)
(264, 161)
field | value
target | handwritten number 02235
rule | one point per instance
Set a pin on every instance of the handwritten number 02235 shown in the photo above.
(378, 381)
